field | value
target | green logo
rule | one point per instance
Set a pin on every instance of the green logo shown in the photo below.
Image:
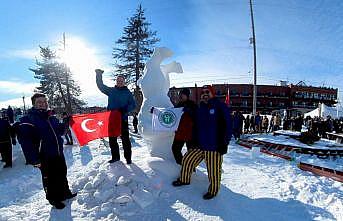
(167, 118)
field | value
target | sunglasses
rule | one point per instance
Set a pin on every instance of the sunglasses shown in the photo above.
(205, 92)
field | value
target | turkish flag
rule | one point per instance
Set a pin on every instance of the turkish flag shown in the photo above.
(88, 127)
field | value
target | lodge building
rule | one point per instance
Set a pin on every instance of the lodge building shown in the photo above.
(290, 97)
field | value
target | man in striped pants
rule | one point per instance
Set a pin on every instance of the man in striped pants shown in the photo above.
(213, 130)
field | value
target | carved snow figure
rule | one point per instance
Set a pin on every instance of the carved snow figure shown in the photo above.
(155, 85)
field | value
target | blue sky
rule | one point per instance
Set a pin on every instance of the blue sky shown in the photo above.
(296, 40)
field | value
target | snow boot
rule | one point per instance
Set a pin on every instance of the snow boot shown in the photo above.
(7, 166)
(208, 196)
(179, 183)
(71, 195)
(57, 204)
(113, 160)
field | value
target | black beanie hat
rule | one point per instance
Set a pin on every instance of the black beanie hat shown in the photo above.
(185, 91)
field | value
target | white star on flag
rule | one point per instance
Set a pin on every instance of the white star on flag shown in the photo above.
(100, 123)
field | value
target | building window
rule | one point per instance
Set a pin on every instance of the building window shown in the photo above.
(245, 103)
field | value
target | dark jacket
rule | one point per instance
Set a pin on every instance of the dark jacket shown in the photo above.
(238, 120)
(185, 131)
(119, 98)
(10, 114)
(40, 136)
(6, 131)
(213, 126)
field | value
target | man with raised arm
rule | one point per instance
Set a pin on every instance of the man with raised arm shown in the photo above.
(119, 98)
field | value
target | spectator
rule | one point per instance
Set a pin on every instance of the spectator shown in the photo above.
(10, 114)
(184, 133)
(213, 134)
(44, 144)
(68, 136)
(7, 139)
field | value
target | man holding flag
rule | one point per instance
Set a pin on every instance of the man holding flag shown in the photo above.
(120, 99)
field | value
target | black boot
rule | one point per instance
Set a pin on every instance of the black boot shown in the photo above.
(71, 195)
(113, 160)
(208, 196)
(7, 166)
(179, 183)
(57, 204)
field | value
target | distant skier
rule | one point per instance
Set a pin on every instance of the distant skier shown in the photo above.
(213, 134)
(43, 144)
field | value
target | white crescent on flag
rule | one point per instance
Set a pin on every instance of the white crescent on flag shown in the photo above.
(85, 128)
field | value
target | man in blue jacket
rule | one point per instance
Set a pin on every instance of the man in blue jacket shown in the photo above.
(213, 127)
(41, 140)
(119, 98)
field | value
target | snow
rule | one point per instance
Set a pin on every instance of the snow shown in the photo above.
(253, 188)
(335, 163)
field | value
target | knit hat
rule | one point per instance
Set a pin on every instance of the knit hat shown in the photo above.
(185, 91)
(210, 88)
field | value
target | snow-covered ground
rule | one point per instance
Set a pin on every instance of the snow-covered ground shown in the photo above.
(253, 188)
(335, 163)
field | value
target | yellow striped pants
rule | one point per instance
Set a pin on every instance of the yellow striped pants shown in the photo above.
(213, 161)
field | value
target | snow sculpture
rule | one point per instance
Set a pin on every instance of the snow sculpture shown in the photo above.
(155, 85)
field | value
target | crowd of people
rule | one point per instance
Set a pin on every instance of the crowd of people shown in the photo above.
(206, 130)
(254, 124)
(320, 126)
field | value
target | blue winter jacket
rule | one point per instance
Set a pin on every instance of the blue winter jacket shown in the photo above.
(213, 126)
(119, 98)
(40, 136)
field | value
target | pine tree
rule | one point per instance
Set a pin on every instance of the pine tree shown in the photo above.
(134, 47)
(54, 78)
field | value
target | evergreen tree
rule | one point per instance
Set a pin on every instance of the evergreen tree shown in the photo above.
(55, 81)
(134, 47)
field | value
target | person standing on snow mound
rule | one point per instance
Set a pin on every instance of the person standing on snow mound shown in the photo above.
(213, 134)
(43, 143)
(184, 133)
(119, 98)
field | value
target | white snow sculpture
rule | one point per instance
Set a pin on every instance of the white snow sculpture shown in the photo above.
(155, 85)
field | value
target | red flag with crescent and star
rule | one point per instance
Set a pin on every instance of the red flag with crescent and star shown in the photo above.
(88, 127)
